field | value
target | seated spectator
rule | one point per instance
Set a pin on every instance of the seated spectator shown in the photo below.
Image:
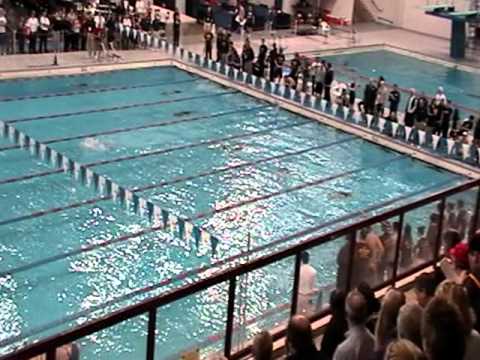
(425, 285)
(359, 344)
(403, 350)
(443, 331)
(386, 328)
(337, 327)
(409, 323)
(262, 346)
(300, 344)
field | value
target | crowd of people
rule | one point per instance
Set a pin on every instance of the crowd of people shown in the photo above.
(442, 322)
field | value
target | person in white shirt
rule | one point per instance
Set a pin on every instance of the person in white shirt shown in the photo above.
(306, 286)
(32, 25)
(3, 32)
(43, 30)
(440, 97)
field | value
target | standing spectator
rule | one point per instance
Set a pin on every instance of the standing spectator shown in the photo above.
(208, 37)
(352, 87)
(261, 63)
(382, 94)
(409, 323)
(425, 285)
(3, 32)
(422, 112)
(443, 331)
(440, 97)
(386, 328)
(336, 329)
(300, 345)
(90, 28)
(75, 35)
(176, 28)
(476, 133)
(247, 57)
(403, 350)
(411, 109)
(359, 344)
(472, 281)
(369, 97)
(21, 35)
(208, 21)
(394, 100)
(306, 286)
(446, 117)
(320, 71)
(329, 76)
(32, 25)
(262, 347)
(43, 32)
(127, 28)
(272, 59)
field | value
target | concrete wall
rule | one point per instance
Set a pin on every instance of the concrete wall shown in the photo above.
(408, 14)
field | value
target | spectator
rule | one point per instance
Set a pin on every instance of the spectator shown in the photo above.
(394, 100)
(337, 327)
(90, 28)
(457, 295)
(409, 323)
(369, 97)
(359, 344)
(247, 57)
(43, 31)
(208, 37)
(386, 328)
(440, 98)
(176, 28)
(425, 285)
(352, 87)
(3, 32)
(329, 77)
(472, 280)
(406, 252)
(262, 348)
(306, 287)
(32, 25)
(443, 331)
(411, 109)
(476, 133)
(300, 344)
(403, 350)
(381, 98)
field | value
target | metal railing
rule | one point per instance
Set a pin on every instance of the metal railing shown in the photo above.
(396, 272)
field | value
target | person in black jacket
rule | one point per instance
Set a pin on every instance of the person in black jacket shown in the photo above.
(329, 76)
(337, 327)
(369, 97)
(176, 28)
(394, 100)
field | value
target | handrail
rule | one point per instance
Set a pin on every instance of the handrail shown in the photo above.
(145, 306)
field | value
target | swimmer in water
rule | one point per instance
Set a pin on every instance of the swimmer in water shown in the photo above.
(93, 144)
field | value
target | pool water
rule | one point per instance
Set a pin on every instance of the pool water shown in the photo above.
(462, 87)
(258, 177)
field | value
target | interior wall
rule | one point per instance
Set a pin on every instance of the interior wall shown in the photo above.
(409, 14)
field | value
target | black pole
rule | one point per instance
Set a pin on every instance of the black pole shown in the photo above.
(438, 242)
(352, 239)
(152, 325)
(52, 354)
(230, 310)
(296, 283)
(397, 249)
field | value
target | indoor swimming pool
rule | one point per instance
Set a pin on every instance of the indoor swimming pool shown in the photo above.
(257, 177)
(461, 86)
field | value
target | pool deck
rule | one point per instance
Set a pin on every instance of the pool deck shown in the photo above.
(367, 34)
